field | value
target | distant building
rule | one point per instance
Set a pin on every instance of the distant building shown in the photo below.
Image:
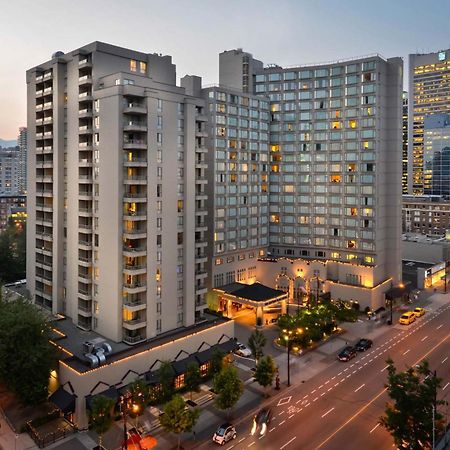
(405, 144)
(22, 142)
(436, 155)
(425, 214)
(428, 93)
(11, 204)
(9, 171)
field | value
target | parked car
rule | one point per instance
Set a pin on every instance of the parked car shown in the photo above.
(419, 312)
(407, 318)
(224, 433)
(242, 350)
(363, 344)
(261, 421)
(347, 353)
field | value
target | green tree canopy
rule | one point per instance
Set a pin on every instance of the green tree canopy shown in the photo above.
(101, 415)
(140, 394)
(409, 415)
(177, 418)
(256, 343)
(166, 376)
(216, 361)
(192, 377)
(13, 253)
(266, 370)
(228, 387)
(26, 356)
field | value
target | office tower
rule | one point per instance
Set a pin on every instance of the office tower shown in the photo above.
(238, 180)
(428, 93)
(335, 169)
(22, 143)
(116, 234)
(436, 155)
(405, 144)
(9, 171)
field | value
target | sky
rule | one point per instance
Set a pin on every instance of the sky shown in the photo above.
(194, 32)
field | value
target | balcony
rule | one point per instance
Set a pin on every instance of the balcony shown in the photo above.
(135, 108)
(44, 207)
(138, 269)
(201, 118)
(85, 129)
(85, 311)
(48, 75)
(136, 251)
(48, 135)
(47, 149)
(85, 79)
(201, 149)
(135, 197)
(84, 262)
(85, 145)
(134, 161)
(86, 245)
(39, 93)
(85, 178)
(135, 323)
(134, 288)
(39, 78)
(133, 304)
(201, 132)
(85, 113)
(47, 105)
(85, 97)
(135, 234)
(39, 107)
(200, 289)
(82, 63)
(135, 179)
(84, 294)
(85, 162)
(133, 339)
(48, 90)
(135, 126)
(48, 119)
(134, 143)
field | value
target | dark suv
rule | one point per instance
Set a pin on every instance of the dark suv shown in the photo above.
(261, 421)
(347, 353)
(363, 344)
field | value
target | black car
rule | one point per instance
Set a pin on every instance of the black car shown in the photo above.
(363, 344)
(347, 353)
(261, 421)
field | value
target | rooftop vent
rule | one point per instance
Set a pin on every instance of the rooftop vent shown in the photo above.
(57, 54)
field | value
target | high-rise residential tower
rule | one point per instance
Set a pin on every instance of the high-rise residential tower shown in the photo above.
(405, 144)
(116, 232)
(429, 85)
(9, 171)
(23, 151)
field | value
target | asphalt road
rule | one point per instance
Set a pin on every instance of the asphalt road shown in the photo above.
(340, 408)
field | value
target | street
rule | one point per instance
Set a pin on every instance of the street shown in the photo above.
(341, 406)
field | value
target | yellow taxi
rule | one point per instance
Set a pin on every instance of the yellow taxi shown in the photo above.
(407, 318)
(419, 312)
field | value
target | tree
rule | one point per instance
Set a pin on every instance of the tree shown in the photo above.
(228, 387)
(166, 376)
(140, 394)
(12, 252)
(409, 416)
(265, 371)
(101, 416)
(217, 363)
(192, 377)
(256, 343)
(177, 418)
(26, 355)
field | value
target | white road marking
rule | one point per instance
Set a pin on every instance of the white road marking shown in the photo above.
(312, 392)
(241, 440)
(251, 443)
(349, 375)
(317, 398)
(445, 359)
(374, 428)
(337, 384)
(328, 412)
(281, 423)
(440, 326)
(273, 428)
(339, 373)
(357, 389)
(423, 338)
(230, 447)
(407, 351)
(326, 382)
(329, 389)
(287, 443)
(322, 394)
(291, 416)
(332, 379)
(354, 371)
(321, 386)
(282, 412)
(445, 386)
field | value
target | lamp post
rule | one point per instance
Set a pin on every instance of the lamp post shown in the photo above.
(287, 338)
(125, 404)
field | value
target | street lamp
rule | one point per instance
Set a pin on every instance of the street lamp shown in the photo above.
(125, 405)
(287, 338)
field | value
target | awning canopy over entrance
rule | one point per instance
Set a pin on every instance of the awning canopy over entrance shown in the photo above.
(255, 294)
(63, 400)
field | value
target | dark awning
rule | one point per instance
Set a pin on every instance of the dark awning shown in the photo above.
(181, 366)
(63, 400)
(152, 377)
(111, 392)
(203, 356)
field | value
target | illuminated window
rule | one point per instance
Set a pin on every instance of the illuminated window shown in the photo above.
(335, 255)
(336, 125)
(158, 274)
(233, 155)
(351, 244)
(143, 67)
(351, 167)
(133, 65)
(335, 178)
(220, 131)
(274, 168)
(274, 148)
(369, 259)
(337, 114)
(275, 218)
(351, 256)
(219, 261)
(232, 143)
(353, 211)
(352, 123)
(233, 178)
(180, 205)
